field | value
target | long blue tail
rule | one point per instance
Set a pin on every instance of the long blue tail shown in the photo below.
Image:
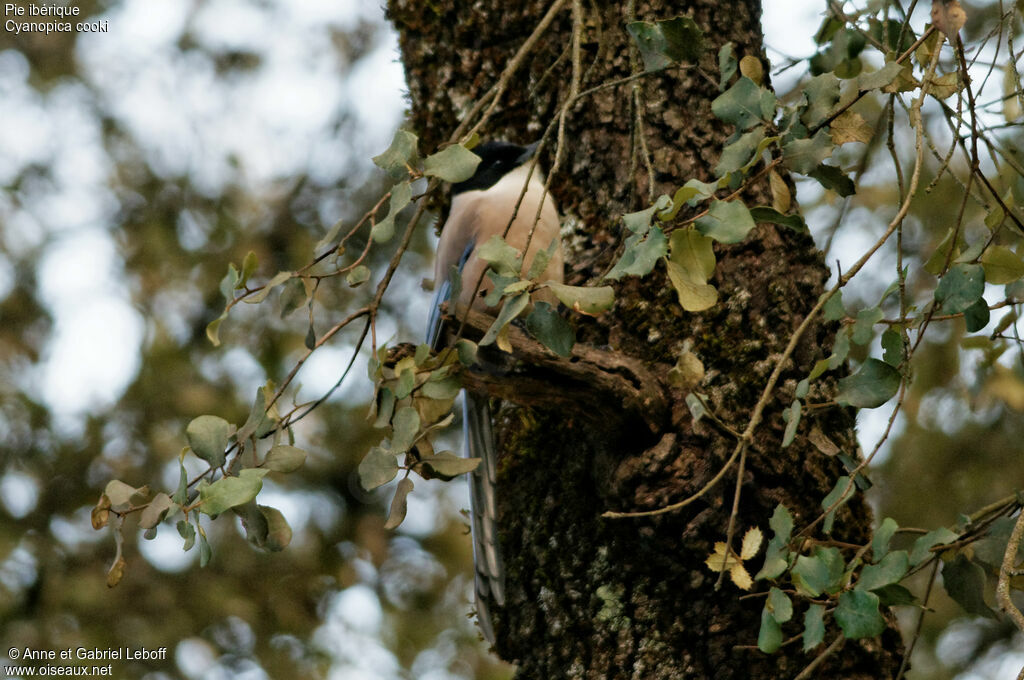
(490, 570)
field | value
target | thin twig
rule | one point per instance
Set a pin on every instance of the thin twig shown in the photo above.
(1007, 569)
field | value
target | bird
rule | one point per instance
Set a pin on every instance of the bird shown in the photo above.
(481, 207)
(948, 16)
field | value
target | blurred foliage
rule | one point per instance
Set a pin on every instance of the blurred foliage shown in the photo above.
(346, 595)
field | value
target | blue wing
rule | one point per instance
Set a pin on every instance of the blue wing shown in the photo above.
(478, 442)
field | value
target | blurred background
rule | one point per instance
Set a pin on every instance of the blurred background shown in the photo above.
(137, 162)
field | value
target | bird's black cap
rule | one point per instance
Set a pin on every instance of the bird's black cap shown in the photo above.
(497, 159)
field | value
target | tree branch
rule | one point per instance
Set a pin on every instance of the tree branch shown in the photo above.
(591, 383)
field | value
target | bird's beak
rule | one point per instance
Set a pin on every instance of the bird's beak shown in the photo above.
(528, 153)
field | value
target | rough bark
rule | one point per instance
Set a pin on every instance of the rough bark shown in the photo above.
(631, 598)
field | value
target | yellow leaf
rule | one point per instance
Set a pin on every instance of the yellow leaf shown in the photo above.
(782, 199)
(850, 127)
(722, 559)
(751, 543)
(751, 67)
(741, 577)
(1006, 386)
(944, 86)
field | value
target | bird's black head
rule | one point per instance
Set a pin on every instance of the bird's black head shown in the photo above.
(497, 159)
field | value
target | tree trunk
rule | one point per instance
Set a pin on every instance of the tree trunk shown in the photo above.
(590, 597)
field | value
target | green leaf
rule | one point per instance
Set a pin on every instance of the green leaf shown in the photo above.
(188, 532)
(641, 253)
(791, 416)
(554, 332)
(359, 275)
(841, 54)
(891, 569)
(294, 296)
(884, 534)
(385, 408)
(889, 34)
(923, 545)
(727, 65)
(736, 155)
(399, 504)
(453, 164)
(892, 347)
(864, 328)
(401, 152)
(467, 350)
(279, 534)
(441, 389)
(254, 522)
(977, 316)
(743, 104)
(894, 595)
(230, 282)
(781, 523)
(121, 495)
(687, 373)
(693, 251)
(694, 294)
(249, 265)
(585, 300)
(155, 511)
(262, 294)
(780, 605)
(965, 582)
(208, 438)
(213, 329)
(227, 492)
(502, 286)
(1002, 265)
(406, 424)
(401, 196)
(774, 563)
(961, 287)
(542, 259)
(880, 78)
(822, 93)
(328, 238)
(834, 179)
(181, 493)
(503, 258)
(406, 383)
(663, 43)
(874, 384)
(804, 155)
(814, 626)
(205, 553)
(839, 494)
(255, 422)
(690, 193)
(726, 222)
(377, 468)
(769, 637)
(765, 214)
(834, 310)
(284, 458)
(810, 575)
(858, 615)
(448, 464)
(640, 221)
(513, 307)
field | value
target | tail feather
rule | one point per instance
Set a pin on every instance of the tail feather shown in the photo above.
(490, 570)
